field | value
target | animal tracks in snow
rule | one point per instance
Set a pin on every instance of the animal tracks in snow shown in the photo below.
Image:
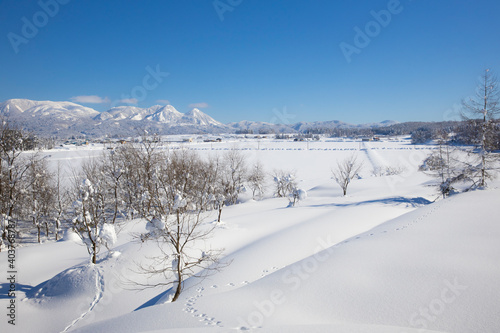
(190, 308)
(98, 296)
(416, 220)
(190, 303)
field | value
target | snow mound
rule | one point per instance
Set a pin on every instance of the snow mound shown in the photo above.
(72, 282)
(70, 235)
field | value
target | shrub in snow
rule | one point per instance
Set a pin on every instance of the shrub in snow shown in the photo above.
(284, 182)
(391, 170)
(296, 196)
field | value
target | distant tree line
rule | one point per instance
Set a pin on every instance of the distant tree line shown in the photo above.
(466, 132)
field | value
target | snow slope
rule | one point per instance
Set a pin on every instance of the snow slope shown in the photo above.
(434, 268)
(385, 258)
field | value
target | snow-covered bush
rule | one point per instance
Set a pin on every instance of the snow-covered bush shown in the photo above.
(284, 183)
(296, 196)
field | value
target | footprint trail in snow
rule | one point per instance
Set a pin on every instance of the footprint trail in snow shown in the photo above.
(99, 283)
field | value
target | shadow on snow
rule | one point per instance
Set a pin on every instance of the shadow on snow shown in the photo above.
(413, 202)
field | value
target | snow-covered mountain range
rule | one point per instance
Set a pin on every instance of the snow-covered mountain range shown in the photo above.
(40, 109)
(66, 118)
(160, 114)
(70, 119)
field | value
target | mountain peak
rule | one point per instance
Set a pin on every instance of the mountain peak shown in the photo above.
(164, 114)
(197, 117)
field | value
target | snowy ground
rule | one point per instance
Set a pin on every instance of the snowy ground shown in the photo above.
(389, 257)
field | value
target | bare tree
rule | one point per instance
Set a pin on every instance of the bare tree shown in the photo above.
(113, 170)
(62, 201)
(345, 171)
(131, 177)
(40, 194)
(217, 185)
(256, 180)
(226, 179)
(484, 107)
(234, 175)
(149, 159)
(175, 221)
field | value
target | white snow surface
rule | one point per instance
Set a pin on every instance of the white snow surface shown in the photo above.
(391, 256)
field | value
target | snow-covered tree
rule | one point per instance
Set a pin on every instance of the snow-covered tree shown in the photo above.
(91, 213)
(178, 200)
(346, 171)
(484, 108)
(286, 185)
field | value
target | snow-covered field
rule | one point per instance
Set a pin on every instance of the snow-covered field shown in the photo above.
(391, 256)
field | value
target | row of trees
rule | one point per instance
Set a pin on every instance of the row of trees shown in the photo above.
(171, 190)
(24, 182)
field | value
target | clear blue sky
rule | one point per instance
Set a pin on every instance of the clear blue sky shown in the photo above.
(259, 60)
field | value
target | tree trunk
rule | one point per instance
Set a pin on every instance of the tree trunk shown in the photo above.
(220, 213)
(116, 203)
(94, 251)
(56, 231)
(178, 289)
(178, 251)
(38, 228)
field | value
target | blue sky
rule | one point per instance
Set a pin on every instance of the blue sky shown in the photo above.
(262, 60)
